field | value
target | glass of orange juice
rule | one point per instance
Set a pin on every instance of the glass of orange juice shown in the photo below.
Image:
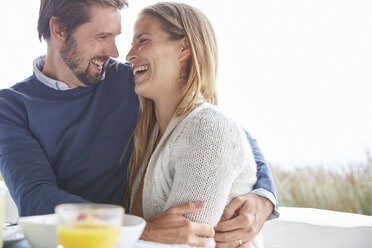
(88, 225)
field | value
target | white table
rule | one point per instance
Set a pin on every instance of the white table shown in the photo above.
(140, 244)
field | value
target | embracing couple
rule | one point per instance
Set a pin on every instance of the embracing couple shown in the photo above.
(147, 135)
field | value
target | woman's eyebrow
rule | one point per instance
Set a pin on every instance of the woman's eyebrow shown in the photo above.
(140, 35)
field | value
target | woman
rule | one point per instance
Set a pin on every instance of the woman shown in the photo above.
(185, 149)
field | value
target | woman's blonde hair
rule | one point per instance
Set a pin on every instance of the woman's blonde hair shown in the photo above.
(179, 20)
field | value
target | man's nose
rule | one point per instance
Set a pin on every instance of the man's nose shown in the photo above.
(112, 50)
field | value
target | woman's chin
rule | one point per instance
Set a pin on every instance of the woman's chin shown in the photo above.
(140, 91)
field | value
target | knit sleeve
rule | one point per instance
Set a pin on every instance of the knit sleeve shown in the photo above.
(209, 155)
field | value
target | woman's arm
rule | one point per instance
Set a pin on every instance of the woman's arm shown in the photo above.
(213, 163)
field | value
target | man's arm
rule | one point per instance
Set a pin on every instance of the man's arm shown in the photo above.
(24, 167)
(264, 177)
(252, 209)
(265, 184)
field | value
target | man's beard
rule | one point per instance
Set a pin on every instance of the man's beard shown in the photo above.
(73, 60)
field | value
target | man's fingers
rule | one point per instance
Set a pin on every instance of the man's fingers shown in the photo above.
(233, 207)
(226, 245)
(238, 222)
(240, 230)
(187, 208)
(244, 245)
(229, 236)
(234, 243)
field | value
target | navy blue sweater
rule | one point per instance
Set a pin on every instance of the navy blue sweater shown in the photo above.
(65, 146)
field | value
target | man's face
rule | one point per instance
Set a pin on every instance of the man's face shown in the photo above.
(87, 50)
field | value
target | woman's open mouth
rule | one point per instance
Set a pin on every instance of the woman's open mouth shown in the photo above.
(140, 70)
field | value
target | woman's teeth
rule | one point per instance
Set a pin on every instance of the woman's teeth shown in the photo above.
(140, 69)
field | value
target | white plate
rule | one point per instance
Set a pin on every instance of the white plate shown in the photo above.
(12, 234)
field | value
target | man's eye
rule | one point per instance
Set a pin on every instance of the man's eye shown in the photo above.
(102, 37)
(143, 40)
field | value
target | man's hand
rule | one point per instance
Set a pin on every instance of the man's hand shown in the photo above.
(171, 227)
(252, 211)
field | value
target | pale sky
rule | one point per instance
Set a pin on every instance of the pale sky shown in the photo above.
(296, 74)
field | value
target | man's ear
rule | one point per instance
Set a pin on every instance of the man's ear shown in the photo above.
(185, 50)
(56, 31)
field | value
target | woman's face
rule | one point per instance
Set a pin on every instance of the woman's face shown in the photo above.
(155, 59)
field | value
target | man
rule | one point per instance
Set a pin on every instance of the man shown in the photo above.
(64, 130)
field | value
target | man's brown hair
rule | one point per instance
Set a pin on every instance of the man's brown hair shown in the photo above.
(70, 13)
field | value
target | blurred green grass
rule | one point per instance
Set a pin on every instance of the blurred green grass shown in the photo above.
(348, 189)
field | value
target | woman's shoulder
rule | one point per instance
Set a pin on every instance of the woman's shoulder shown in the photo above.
(208, 131)
(208, 114)
(211, 120)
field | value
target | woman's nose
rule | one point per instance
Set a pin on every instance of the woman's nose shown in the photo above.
(131, 55)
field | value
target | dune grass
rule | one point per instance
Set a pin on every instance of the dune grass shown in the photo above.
(348, 190)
